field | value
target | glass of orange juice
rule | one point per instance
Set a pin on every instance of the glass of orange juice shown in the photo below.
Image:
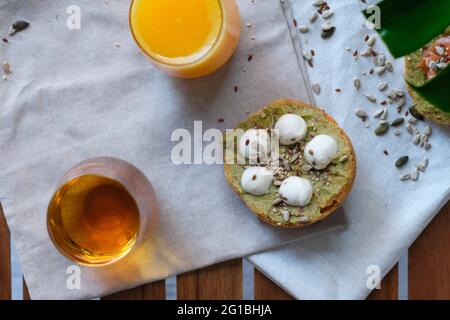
(186, 38)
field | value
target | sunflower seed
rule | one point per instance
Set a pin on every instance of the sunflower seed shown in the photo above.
(327, 14)
(361, 114)
(294, 157)
(343, 159)
(303, 29)
(399, 92)
(389, 66)
(313, 17)
(384, 115)
(381, 59)
(427, 131)
(327, 26)
(378, 113)
(7, 69)
(405, 176)
(415, 175)
(415, 114)
(423, 140)
(307, 55)
(397, 132)
(380, 70)
(317, 3)
(277, 183)
(416, 139)
(304, 219)
(382, 86)
(401, 102)
(410, 128)
(382, 129)
(391, 94)
(277, 201)
(427, 146)
(412, 120)
(370, 41)
(357, 83)
(370, 97)
(306, 168)
(286, 215)
(366, 52)
(397, 122)
(316, 88)
(421, 166)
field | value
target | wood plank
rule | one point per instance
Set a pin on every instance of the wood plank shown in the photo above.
(5, 259)
(151, 291)
(222, 281)
(429, 260)
(389, 287)
(26, 293)
(265, 289)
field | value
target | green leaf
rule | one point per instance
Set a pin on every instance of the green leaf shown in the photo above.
(436, 91)
(407, 25)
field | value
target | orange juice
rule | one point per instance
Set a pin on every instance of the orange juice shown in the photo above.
(186, 38)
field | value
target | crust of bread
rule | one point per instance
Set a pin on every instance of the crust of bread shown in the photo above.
(335, 203)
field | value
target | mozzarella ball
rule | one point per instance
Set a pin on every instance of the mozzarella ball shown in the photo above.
(296, 191)
(291, 128)
(254, 143)
(256, 180)
(320, 151)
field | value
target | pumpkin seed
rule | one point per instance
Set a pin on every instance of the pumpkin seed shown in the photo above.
(415, 113)
(327, 31)
(18, 26)
(401, 161)
(382, 129)
(397, 122)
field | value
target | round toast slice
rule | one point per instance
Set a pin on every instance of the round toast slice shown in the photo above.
(416, 76)
(331, 185)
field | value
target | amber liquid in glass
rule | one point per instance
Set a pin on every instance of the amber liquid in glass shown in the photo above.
(93, 219)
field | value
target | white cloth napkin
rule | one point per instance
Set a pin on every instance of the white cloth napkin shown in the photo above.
(385, 215)
(76, 94)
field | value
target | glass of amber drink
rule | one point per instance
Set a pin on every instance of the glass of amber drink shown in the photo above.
(186, 38)
(100, 211)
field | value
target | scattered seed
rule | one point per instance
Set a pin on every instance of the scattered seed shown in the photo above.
(357, 83)
(327, 31)
(382, 129)
(405, 176)
(18, 26)
(316, 88)
(427, 131)
(386, 152)
(313, 17)
(370, 97)
(410, 128)
(307, 55)
(401, 161)
(397, 122)
(327, 14)
(382, 86)
(416, 139)
(415, 175)
(286, 215)
(7, 69)
(397, 132)
(401, 102)
(378, 113)
(361, 114)
(304, 29)
(277, 201)
(384, 115)
(370, 41)
(277, 183)
(415, 114)
(343, 159)
(412, 120)
(304, 219)
(389, 66)
(317, 3)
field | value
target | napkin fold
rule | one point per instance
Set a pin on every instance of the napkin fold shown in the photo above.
(77, 94)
